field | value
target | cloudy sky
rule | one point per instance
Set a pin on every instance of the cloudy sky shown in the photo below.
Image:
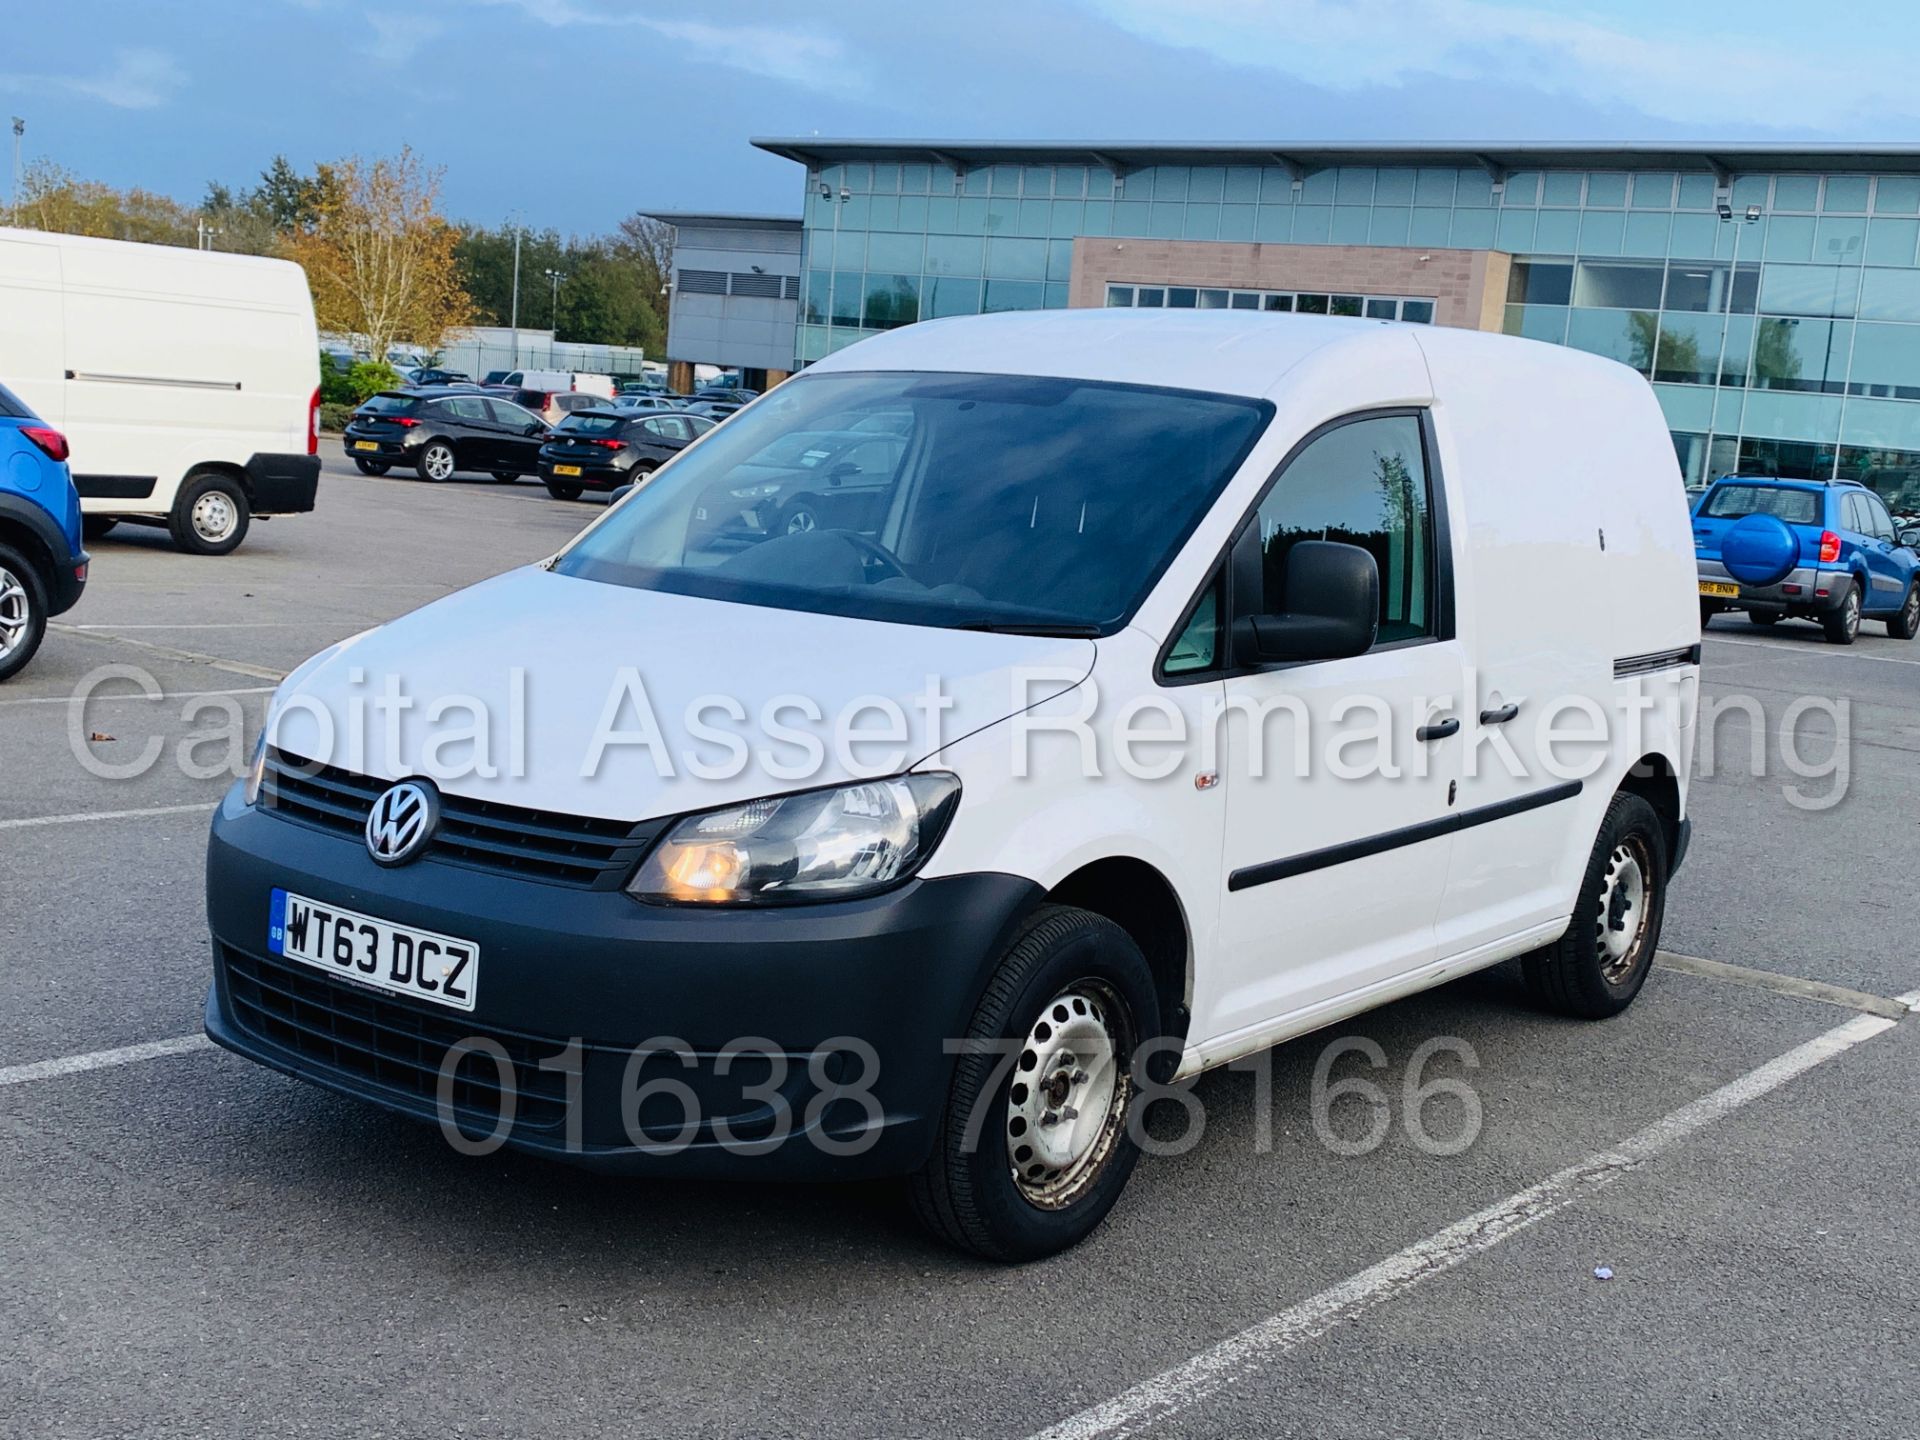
(577, 112)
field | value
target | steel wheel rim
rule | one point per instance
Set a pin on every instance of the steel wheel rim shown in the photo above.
(16, 612)
(1067, 1101)
(214, 516)
(1620, 929)
(439, 462)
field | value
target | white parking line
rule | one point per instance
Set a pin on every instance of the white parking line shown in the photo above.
(138, 695)
(33, 821)
(1831, 653)
(1260, 1345)
(102, 1059)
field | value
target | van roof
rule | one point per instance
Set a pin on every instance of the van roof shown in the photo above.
(1227, 352)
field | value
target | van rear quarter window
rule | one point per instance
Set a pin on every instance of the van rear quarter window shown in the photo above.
(1792, 503)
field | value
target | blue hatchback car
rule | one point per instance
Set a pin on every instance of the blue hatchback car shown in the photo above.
(1826, 551)
(43, 568)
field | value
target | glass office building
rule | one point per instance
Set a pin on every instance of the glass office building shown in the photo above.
(1771, 297)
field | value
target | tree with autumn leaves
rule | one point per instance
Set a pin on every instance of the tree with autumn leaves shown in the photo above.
(378, 253)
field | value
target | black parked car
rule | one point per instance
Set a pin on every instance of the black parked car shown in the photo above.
(433, 375)
(808, 480)
(601, 449)
(441, 432)
(713, 409)
(737, 394)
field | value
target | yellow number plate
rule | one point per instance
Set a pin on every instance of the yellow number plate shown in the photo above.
(566, 469)
(1720, 589)
(366, 445)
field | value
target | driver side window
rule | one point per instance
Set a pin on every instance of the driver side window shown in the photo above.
(1363, 483)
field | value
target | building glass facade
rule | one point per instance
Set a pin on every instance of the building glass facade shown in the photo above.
(1776, 315)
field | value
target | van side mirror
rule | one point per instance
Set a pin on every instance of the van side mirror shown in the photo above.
(1331, 608)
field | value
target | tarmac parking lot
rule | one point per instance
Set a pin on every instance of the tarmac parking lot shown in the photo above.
(193, 1245)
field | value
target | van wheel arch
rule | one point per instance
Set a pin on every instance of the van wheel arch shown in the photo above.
(1141, 901)
(1652, 778)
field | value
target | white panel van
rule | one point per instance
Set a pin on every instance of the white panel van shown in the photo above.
(1158, 686)
(187, 382)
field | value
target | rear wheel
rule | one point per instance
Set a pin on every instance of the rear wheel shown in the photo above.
(1031, 1155)
(209, 515)
(506, 477)
(23, 611)
(561, 491)
(95, 526)
(1764, 618)
(372, 467)
(1599, 965)
(1707, 611)
(436, 461)
(1843, 624)
(1906, 624)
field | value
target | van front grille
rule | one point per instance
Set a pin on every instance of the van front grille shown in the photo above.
(536, 844)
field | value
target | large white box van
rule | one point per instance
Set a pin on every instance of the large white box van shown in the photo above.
(187, 382)
(1149, 688)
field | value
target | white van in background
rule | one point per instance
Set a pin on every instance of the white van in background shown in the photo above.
(187, 382)
(561, 380)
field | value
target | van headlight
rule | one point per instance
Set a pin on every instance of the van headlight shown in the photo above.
(817, 845)
(257, 772)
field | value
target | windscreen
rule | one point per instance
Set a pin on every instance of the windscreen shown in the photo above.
(1790, 503)
(977, 501)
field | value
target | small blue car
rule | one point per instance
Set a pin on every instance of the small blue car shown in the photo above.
(43, 568)
(1826, 551)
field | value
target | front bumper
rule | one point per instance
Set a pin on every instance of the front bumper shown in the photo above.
(898, 974)
(1798, 593)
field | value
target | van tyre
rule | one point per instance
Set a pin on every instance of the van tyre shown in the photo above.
(93, 527)
(435, 461)
(1906, 624)
(1597, 967)
(209, 515)
(1030, 1156)
(563, 492)
(23, 611)
(371, 467)
(1842, 624)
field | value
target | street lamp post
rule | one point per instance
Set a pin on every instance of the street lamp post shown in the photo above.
(553, 314)
(514, 319)
(13, 195)
(1725, 210)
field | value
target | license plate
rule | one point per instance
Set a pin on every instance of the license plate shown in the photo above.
(566, 469)
(403, 961)
(366, 444)
(1720, 589)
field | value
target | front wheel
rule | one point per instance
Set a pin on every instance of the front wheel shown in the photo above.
(1597, 967)
(1036, 1139)
(1843, 625)
(23, 611)
(371, 467)
(1906, 624)
(561, 491)
(436, 461)
(209, 515)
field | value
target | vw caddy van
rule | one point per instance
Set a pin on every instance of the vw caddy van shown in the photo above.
(1197, 680)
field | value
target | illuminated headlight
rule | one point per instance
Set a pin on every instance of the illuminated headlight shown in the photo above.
(754, 492)
(818, 845)
(257, 772)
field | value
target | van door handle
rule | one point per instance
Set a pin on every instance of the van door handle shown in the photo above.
(1500, 717)
(1439, 730)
